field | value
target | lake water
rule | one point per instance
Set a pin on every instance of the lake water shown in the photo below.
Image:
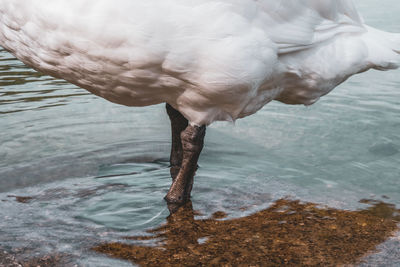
(95, 171)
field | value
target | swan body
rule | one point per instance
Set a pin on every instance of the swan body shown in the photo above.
(209, 59)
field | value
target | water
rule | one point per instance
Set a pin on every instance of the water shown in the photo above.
(97, 171)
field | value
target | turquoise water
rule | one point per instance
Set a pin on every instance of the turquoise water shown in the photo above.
(98, 171)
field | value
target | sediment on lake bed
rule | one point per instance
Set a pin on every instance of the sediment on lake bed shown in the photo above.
(289, 232)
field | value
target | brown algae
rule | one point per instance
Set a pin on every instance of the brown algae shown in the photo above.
(287, 233)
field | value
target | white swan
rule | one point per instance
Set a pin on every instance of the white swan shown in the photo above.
(208, 59)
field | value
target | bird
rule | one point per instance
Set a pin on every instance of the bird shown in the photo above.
(207, 60)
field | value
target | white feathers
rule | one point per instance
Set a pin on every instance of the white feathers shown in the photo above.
(210, 59)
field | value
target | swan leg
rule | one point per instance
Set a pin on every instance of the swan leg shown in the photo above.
(192, 139)
(178, 124)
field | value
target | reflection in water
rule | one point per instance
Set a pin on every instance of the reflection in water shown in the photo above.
(289, 232)
(21, 87)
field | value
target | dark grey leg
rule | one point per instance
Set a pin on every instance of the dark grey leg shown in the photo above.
(178, 124)
(192, 139)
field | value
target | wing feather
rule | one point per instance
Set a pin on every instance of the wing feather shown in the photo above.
(300, 24)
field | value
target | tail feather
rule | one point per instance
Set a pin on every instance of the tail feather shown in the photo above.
(384, 49)
(393, 40)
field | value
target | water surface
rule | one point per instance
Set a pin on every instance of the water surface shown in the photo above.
(95, 172)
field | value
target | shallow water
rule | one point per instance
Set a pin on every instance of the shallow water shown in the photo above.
(97, 171)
